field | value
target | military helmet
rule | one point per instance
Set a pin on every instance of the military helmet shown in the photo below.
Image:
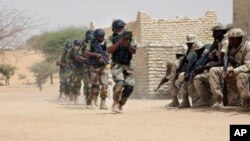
(89, 35)
(68, 45)
(220, 26)
(236, 32)
(191, 38)
(118, 24)
(197, 45)
(99, 33)
(180, 51)
(77, 43)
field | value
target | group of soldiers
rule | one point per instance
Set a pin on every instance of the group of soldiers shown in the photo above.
(215, 75)
(92, 59)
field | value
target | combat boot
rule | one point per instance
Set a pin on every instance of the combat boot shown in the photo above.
(245, 107)
(185, 103)
(115, 107)
(174, 103)
(75, 99)
(95, 100)
(60, 96)
(201, 103)
(103, 105)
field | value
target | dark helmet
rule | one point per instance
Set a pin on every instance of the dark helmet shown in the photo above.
(89, 35)
(68, 45)
(77, 42)
(99, 33)
(118, 24)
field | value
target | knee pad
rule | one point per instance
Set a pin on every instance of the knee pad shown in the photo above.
(127, 91)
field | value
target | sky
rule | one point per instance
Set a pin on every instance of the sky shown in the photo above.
(61, 13)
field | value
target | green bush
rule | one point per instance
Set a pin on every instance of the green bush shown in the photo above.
(42, 71)
(7, 71)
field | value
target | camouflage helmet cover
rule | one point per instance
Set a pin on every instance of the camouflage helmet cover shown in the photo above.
(197, 45)
(236, 32)
(180, 51)
(191, 38)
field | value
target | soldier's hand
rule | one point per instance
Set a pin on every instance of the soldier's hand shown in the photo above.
(126, 42)
(199, 69)
(230, 73)
(99, 56)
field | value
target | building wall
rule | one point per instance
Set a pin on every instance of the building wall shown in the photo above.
(150, 67)
(170, 31)
(241, 16)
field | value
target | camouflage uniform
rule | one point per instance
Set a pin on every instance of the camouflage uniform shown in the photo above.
(77, 71)
(201, 83)
(64, 73)
(122, 75)
(86, 73)
(173, 82)
(99, 75)
(184, 87)
(240, 78)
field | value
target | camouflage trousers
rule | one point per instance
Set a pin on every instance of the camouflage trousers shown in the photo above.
(99, 78)
(76, 76)
(201, 86)
(124, 82)
(64, 80)
(86, 81)
(175, 85)
(188, 89)
(237, 86)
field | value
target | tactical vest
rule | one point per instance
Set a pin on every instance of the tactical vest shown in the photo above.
(122, 55)
(73, 54)
(96, 47)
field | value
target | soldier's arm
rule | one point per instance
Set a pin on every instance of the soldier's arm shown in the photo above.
(113, 47)
(88, 54)
(246, 66)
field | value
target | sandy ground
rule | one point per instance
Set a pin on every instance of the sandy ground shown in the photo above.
(29, 115)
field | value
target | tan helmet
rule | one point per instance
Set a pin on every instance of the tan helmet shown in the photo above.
(191, 38)
(236, 32)
(180, 51)
(197, 45)
(220, 26)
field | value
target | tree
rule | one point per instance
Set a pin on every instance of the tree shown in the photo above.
(52, 43)
(7, 71)
(42, 71)
(13, 25)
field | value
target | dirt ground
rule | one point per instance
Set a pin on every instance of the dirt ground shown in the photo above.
(29, 115)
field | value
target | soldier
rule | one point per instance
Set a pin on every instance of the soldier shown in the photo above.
(81, 57)
(179, 78)
(237, 73)
(174, 83)
(210, 58)
(98, 59)
(187, 87)
(76, 72)
(122, 46)
(64, 70)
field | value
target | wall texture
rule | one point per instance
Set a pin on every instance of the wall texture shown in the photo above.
(241, 16)
(170, 31)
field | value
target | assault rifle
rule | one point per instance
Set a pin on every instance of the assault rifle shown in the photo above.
(99, 49)
(164, 80)
(224, 80)
(125, 35)
(181, 65)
